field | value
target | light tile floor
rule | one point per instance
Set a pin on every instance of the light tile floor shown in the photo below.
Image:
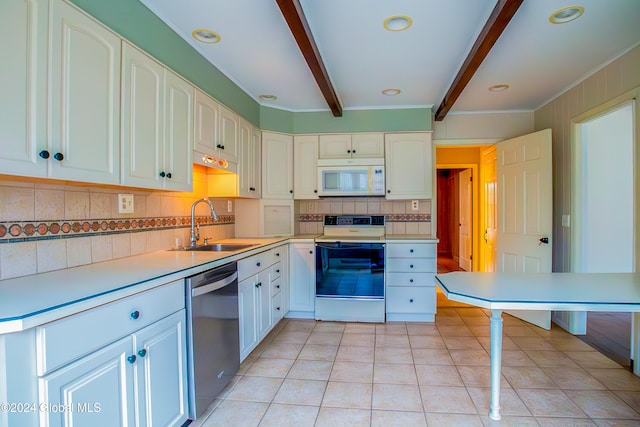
(308, 373)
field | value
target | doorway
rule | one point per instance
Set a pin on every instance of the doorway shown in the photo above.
(604, 217)
(454, 229)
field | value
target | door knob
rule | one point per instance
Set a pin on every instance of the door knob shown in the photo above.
(544, 240)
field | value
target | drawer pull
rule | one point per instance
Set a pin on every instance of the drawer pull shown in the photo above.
(278, 308)
(257, 264)
(277, 253)
(411, 266)
(135, 315)
(278, 286)
(311, 252)
(411, 251)
(410, 280)
(258, 284)
(142, 353)
(411, 300)
(131, 359)
(278, 271)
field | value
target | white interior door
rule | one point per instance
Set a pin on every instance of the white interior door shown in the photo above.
(464, 196)
(525, 210)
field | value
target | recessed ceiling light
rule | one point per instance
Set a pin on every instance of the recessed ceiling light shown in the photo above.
(268, 97)
(498, 88)
(206, 36)
(397, 23)
(391, 92)
(566, 14)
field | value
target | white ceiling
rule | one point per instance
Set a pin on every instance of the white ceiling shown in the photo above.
(537, 59)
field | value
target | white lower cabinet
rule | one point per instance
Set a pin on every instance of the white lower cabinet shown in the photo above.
(260, 288)
(302, 280)
(138, 379)
(410, 268)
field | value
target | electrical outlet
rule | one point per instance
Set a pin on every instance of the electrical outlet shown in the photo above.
(415, 205)
(229, 206)
(125, 203)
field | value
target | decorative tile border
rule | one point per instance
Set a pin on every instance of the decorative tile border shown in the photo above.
(387, 218)
(43, 230)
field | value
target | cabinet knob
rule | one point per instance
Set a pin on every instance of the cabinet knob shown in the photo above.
(162, 174)
(142, 353)
(277, 253)
(315, 191)
(311, 252)
(348, 151)
(388, 191)
(291, 191)
(135, 315)
(169, 175)
(411, 266)
(222, 147)
(410, 280)
(44, 154)
(131, 359)
(278, 271)
(411, 300)
(353, 151)
(257, 264)
(411, 251)
(278, 308)
(258, 284)
(278, 286)
(58, 156)
(218, 145)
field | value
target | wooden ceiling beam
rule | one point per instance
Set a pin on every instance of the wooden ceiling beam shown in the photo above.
(497, 22)
(294, 15)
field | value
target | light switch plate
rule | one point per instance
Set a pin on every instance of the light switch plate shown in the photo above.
(125, 203)
(229, 206)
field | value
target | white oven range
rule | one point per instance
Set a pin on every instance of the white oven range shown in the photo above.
(350, 269)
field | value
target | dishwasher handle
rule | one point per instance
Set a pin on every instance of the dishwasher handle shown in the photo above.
(210, 287)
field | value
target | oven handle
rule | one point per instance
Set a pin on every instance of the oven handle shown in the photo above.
(349, 245)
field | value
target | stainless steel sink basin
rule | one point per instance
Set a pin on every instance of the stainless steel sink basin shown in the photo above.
(216, 247)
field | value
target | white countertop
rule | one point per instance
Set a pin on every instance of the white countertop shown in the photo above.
(544, 291)
(29, 301)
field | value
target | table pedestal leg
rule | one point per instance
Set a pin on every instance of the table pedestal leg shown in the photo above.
(496, 360)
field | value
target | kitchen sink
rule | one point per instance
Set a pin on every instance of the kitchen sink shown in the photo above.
(216, 247)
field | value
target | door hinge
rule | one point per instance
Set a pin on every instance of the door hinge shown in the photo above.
(470, 257)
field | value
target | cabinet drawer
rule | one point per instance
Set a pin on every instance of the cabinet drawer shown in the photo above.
(411, 300)
(276, 286)
(409, 265)
(278, 253)
(276, 308)
(409, 250)
(65, 340)
(410, 279)
(253, 265)
(275, 271)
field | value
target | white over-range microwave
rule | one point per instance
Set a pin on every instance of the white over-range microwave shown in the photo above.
(364, 179)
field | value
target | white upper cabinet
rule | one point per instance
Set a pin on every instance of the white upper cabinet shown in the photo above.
(217, 129)
(347, 146)
(157, 120)
(249, 163)
(409, 165)
(228, 146)
(83, 98)
(277, 166)
(305, 162)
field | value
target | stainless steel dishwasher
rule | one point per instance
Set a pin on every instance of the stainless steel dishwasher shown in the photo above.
(213, 337)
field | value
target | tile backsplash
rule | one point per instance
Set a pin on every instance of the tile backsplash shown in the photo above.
(46, 227)
(399, 217)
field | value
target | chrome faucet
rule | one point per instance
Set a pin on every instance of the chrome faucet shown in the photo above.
(195, 229)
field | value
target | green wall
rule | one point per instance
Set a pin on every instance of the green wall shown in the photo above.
(133, 21)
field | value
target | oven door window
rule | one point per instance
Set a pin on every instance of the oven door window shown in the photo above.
(350, 270)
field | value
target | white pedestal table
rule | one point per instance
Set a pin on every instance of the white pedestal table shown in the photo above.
(537, 291)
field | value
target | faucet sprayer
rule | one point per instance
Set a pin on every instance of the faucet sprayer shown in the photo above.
(195, 235)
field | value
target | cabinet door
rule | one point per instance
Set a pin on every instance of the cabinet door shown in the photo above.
(161, 364)
(302, 277)
(178, 133)
(84, 104)
(23, 49)
(408, 166)
(206, 124)
(367, 145)
(277, 166)
(305, 164)
(335, 146)
(249, 161)
(142, 119)
(263, 303)
(247, 314)
(97, 390)
(229, 122)
(256, 163)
